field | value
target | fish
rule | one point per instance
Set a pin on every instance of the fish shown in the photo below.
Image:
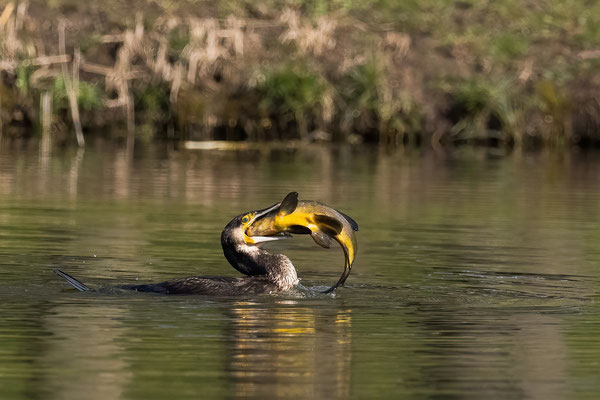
(306, 217)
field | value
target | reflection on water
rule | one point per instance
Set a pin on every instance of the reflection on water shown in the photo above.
(108, 347)
(289, 351)
(477, 275)
(74, 347)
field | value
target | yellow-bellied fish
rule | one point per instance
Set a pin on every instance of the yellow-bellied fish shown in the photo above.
(320, 221)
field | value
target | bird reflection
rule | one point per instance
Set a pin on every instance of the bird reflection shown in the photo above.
(289, 350)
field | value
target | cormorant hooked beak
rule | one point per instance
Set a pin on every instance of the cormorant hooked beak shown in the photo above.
(247, 221)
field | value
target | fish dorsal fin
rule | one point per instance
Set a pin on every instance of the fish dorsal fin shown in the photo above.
(352, 222)
(329, 225)
(322, 239)
(289, 204)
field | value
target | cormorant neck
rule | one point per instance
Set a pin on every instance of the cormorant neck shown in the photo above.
(280, 269)
(254, 261)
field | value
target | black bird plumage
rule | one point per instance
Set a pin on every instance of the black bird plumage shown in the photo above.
(265, 272)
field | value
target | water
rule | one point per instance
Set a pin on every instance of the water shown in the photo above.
(477, 276)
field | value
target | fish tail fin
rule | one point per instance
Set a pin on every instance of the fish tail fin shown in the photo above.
(342, 280)
(72, 281)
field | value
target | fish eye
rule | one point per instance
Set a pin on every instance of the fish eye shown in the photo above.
(245, 219)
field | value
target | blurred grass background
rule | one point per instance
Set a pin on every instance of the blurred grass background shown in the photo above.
(427, 72)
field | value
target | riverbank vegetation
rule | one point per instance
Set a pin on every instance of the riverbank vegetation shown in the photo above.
(425, 72)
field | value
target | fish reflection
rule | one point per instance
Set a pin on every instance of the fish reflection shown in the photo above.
(289, 350)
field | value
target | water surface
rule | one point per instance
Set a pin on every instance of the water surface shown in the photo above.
(477, 275)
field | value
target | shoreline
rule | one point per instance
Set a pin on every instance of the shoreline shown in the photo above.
(261, 74)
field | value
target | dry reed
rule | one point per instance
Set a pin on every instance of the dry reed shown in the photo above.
(375, 82)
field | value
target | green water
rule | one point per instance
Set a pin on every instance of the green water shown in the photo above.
(477, 276)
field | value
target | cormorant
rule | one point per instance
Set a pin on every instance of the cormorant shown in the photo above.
(265, 272)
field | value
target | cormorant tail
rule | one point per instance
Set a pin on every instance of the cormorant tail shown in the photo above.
(72, 281)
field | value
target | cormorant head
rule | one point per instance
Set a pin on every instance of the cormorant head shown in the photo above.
(240, 249)
(235, 232)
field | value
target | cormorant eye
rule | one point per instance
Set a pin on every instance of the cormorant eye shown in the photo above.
(245, 219)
